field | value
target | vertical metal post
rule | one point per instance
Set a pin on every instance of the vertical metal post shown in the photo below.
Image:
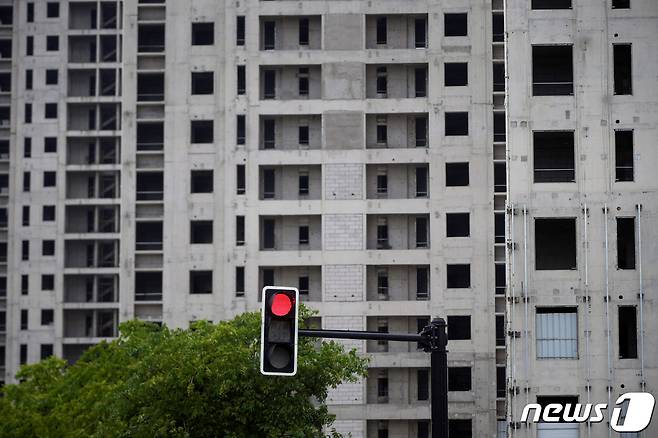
(439, 372)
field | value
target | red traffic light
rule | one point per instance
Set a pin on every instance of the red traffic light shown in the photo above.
(281, 304)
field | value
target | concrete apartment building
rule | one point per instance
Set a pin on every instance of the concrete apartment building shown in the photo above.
(167, 159)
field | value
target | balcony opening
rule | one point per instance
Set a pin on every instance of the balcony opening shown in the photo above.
(422, 284)
(421, 132)
(382, 183)
(627, 332)
(625, 243)
(499, 127)
(552, 70)
(5, 82)
(623, 69)
(239, 30)
(500, 330)
(459, 327)
(382, 284)
(269, 84)
(108, 15)
(555, 243)
(421, 181)
(554, 156)
(624, 156)
(498, 25)
(200, 282)
(457, 174)
(382, 130)
(202, 83)
(151, 38)
(150, 136)
(203, 34)
(150, 87)
(500, 178)
(239, 231)
(241, 129)
(201, 181)
(201, 131)
(382, 30)
(500, 279)
(455, 24)
(621, 4)
(382, 234)
(269, 133)
(382, 82)
(551, 4)
(150, 186)
(6, 19)
(303, 31)
(5, 49)
(108, 82)
(303, 76)
(420, 81)
(459, 379)
(500, 382)
(269, 35)
(458, 276)
(499, 227)
(557, 332)
(457, 224)
(422, 240)
(268, 233)
(148, 236)
(148, 286)
(456, 123)
(456, 74)
(382, 388)
(420, 33)
(242, 79)
(269, 184)
(201, 232)
(241, 180)
(498, 77)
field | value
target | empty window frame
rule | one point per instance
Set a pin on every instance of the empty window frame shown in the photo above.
(500, 330)
(239, 231)
(28, 113)
(627, 332)
(422, 283)
(557, 332)
(30, 12)
(269, 183)
(382, 81)
(50, 111)
(201, 131)
(499, 126)
(269, 84)
(625, 243)
(459, 327)
(303, 81)
(420, 33)
(500, 382)
(22, 360)
(382, 389)
(268, 277)
(269, 133)
(498, 27)
(551, 4)
(203, 34)
(382, 234)
(621, 4)
(457, 174)
(499, 227)
(421, 181)
(500, 278)
(382, 182)
(26, 181)
(52, 9)
(27, 147)
(269, 35)
(555, 243)
(382, 284)
(423, 384)
(242, 79)
(303, 135)
(382, 30)
(201, 181)
(49, 179)
(422, 238)
(456, 123)
(624, 168)
(202, 83)
(47, 282)
(25, 284)
(200, 282)
(303, 233)
(457, 224)
(382, 130)
(241, 129)
(420, 81)
(240, 179)
(303, 31)
(460, 428)
(52, 43)
(26, 216)
(498, 76)
(455, 24)
(239, 30)
(303, 284)
(48, 213)
(553, 156)
(47, 316)
(201, 232)
(239, 281)
(269, 226)
(459, 379)
(49, 145)
(623, 69)
(500, 177)
(24, 319)
(303, 180)
(46, 350)
(423, 429)
(29, 46)
(458, 276)
(29, 79)
(552, 70)
(421, 131)
(455, 74)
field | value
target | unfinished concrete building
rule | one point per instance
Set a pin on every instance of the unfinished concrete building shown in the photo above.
(583, 119)
(168, 159)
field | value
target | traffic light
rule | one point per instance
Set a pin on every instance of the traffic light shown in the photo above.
(278, 335)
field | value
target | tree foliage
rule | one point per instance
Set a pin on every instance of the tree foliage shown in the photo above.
(158, 382)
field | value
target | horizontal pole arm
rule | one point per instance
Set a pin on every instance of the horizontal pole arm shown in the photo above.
(350, 334)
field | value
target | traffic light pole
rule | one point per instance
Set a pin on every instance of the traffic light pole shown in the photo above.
(434, 340)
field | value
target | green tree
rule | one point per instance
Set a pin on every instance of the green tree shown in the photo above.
(157, 382)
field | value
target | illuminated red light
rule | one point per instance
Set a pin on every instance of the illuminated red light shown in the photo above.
(281, 304)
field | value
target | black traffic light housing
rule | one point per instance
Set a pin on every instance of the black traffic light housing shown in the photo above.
(278, 335)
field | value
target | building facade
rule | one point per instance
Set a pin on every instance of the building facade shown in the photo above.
(168, 159)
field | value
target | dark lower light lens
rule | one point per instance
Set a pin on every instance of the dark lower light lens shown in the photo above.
(279, 356)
